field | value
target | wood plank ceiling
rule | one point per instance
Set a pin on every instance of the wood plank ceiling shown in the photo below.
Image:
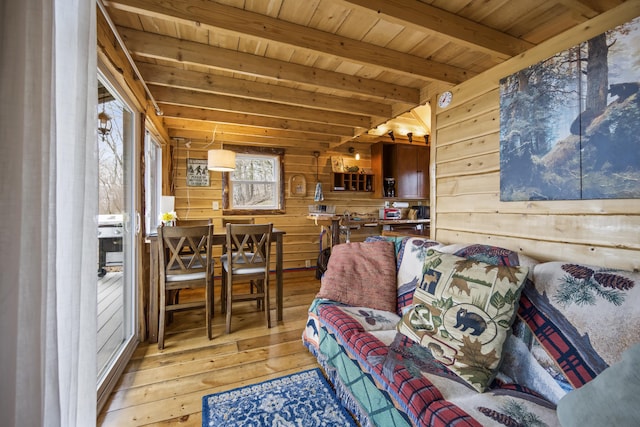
(292, 72)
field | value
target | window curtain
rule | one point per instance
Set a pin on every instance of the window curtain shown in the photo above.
(49, 195)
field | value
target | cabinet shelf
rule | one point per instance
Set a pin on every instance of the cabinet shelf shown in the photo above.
(362, 182)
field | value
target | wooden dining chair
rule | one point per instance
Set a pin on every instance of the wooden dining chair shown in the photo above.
(223, 257)
(185, 258)
(241, 265)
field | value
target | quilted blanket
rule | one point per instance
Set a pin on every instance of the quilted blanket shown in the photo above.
(385, 379)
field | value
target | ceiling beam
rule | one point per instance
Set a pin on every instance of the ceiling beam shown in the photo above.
(218, 16)
(223, 138)
(175, 77)
(277, 134)
(256, 121)
(167, 48)
(260, 108)
(421, 16)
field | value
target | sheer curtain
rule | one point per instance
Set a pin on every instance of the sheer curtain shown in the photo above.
(48, 243)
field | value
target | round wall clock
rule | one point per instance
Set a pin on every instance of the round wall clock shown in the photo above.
(445, 99)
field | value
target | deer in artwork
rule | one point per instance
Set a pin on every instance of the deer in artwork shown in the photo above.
(461, 285)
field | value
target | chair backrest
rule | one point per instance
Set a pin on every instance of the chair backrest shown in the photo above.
(242, 236)
(185, 250)
(226, 221)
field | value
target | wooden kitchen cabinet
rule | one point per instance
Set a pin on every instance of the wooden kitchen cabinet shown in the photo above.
(408, 164)
(412, 179)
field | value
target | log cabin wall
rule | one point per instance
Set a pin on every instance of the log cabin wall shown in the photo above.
(301, 242)
(466, 189)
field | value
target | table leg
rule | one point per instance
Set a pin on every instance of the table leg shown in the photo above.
(279, 256)
(335, 232)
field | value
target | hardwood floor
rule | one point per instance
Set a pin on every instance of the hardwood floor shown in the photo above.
(165, 388)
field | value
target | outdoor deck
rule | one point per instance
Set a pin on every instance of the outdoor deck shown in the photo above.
(110, 316)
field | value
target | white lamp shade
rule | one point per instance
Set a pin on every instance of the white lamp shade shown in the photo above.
(221, 160)
(167, 204)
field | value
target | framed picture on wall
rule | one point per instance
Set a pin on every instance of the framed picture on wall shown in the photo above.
(197, 173)
(337, 164)
(569, 125)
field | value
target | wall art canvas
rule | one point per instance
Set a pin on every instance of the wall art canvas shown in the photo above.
(197, 173)
(570, 125)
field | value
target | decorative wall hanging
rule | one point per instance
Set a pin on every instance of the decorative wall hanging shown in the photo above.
(297, 186)
(570, 125)
(197, 173)
(337, 164)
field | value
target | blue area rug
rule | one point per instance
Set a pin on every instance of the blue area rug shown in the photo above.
(300, 399)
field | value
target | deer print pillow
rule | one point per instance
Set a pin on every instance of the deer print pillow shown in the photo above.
(462, 312)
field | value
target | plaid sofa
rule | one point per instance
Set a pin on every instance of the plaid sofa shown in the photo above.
(386, 379)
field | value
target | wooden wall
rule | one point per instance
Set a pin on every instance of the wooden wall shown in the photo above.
(466, 164)
(301, 242)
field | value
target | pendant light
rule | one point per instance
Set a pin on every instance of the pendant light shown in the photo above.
(221, 160)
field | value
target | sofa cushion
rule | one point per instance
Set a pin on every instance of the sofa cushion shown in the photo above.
(585, 316)
(610, 399)
(462, 311)
(367, 269)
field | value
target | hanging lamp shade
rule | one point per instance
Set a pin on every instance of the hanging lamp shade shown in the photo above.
(221, 160)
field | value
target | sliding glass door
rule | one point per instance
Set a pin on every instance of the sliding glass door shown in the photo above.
(116, 228)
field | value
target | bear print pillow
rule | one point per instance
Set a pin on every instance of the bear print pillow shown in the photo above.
(462, 312)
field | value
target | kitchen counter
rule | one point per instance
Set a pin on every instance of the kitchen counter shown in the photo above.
(403, 221)
(333, 221)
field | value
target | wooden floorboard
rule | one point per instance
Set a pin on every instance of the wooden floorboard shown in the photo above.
(165, 387)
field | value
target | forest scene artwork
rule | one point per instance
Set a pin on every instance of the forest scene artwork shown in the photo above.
(570, 125)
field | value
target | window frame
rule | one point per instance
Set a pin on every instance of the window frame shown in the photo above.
(152, 182)
(226, 184)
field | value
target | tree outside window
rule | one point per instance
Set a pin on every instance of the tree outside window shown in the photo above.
(257, 184)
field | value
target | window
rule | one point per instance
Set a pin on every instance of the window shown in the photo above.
(152, 182)
(257, 184)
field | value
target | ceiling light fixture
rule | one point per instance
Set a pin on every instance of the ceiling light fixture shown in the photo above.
(221, 160)
(391, 135)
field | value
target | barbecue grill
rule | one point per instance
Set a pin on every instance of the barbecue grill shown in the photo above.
(110, 232)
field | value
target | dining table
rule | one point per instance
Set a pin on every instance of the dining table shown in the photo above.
(219, 238)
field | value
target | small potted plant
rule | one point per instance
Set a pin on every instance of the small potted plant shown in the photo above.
(168, 218)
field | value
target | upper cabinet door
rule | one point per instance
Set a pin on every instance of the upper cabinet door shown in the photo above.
(412, 167)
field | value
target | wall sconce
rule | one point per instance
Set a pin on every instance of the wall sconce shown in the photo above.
(353, 150)
(410, 136)
(104, 124)
(392, 136)
(426, 139)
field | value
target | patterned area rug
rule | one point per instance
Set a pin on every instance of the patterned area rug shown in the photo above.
(300, 399)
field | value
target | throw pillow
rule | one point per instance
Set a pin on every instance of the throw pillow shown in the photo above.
(462, 311)
(361, 274)
(611, 399)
